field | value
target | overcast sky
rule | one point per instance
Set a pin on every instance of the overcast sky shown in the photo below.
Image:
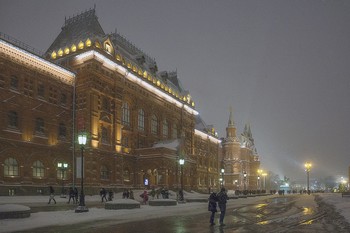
(283, 66)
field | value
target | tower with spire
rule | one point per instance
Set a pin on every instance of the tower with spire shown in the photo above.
(240, 159)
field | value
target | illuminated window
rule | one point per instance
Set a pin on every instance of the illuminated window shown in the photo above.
(141, 120)
(73, 48)
(66, 50)
(154, 125)
(88, 43)
(12, 119)
(62, 130)
(38, 169)
(125, 114)
(80, 45)
(39, 126)
(108, 48)
(165, 129)
(10, 167)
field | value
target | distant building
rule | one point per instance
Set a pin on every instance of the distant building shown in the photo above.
(240, 160)
(139, 121)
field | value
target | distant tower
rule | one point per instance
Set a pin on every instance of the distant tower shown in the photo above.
(231, 155)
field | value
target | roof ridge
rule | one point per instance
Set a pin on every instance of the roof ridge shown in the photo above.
(82, 16)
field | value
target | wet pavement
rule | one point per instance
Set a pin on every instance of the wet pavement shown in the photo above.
(292, 213)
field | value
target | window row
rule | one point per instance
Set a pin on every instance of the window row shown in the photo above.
(11, 169)
(155, 123)
(39, 128)
(39, 89)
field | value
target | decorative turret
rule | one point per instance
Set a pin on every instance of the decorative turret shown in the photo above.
(231, 129)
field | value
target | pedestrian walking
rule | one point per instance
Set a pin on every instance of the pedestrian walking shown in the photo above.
(144, 197)
(212, 207)
(52, 195)
(222, 199)
(103, 194)
(71, 195)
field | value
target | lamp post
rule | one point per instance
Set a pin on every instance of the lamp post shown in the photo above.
(62, 167)
(258, 183)
(222, 176)
(82, 142)
(181, 194)
(245, 180)
(264, 175)
(308, 166)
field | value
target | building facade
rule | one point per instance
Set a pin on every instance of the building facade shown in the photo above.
(240, 160)
(139, 121)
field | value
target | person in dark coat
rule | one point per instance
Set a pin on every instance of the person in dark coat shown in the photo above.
(212, 207)
(71, 195)
(52, 195)
(103, 194)
(222, 199)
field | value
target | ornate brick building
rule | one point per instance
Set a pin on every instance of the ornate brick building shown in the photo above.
(240, 159)
(139, 121)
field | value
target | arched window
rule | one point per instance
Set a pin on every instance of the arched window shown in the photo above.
(38, 169)
(126, 114)
(141, 120)
(104, 135)
(174, 131)
(12, 119)
(10, 167)
(154, 125)
(165, 129)
(62, 130)
(104, 173)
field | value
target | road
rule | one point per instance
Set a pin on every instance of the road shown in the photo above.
(290, 213)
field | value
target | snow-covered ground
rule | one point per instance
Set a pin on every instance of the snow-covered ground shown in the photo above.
(50, 218)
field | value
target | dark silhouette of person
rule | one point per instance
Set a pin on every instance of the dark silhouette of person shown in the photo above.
(222, 200)
(52, 195)
(212, 207)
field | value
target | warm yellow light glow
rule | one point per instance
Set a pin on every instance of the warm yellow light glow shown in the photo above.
(66, 50)
(80, 45)
(53, 55)
(97, 44)
(129, 65)
(122, 70)
(158, 83)
(73, 48)
(118, 57)
(206, 136)
(308, 166)
(192, 104)
(145, 74)
(88, 43)
(60, 52)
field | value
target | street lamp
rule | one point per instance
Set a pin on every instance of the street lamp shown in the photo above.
(264, 175)
(181, 194)
(82, 142)
(308, 166)
(259, 183)
(222, 175)
(62, 167)
(245, 179)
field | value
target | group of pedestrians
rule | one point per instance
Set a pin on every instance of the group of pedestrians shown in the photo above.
(221, 200)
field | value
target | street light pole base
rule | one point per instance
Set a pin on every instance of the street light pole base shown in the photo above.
(81, 209)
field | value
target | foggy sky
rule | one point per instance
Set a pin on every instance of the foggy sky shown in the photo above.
(283, 66)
